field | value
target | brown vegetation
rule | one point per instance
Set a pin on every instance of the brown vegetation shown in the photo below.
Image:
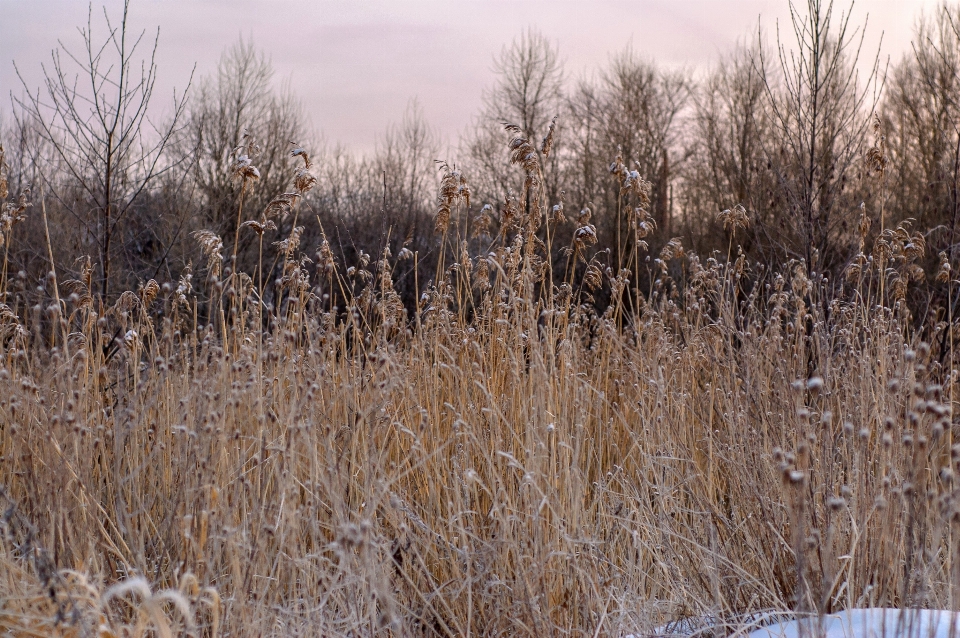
(532, 421)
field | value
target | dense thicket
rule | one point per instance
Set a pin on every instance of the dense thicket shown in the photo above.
(783, 129)
(656, 348)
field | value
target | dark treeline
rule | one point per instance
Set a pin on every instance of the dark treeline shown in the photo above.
(806, 149)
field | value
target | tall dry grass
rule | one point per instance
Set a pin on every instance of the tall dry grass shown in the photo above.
(507, 461)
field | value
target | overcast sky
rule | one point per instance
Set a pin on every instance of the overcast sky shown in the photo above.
(356, 64)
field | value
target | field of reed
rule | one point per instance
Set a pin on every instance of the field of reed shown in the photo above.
(509, 457)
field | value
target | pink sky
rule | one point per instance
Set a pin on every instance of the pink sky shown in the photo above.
(356, 64)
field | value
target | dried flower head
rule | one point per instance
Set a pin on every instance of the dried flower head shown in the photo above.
(638, 186)
(877, 155)
(149, 292)
(735, 219)
(914, 245)
(210, 245)
(481, 274)
(296, 279)
(259, 227)
(243, 168)
(454, 190)
(299, 152)
(855, 269)
(131, 341)
(184, 286)
(442, 221)
(522, 151)
(672, 250)
(547, 145)
(584, 217)
(10, 324)
(585, 235)
(642, 222)
(510, 214)
(128, 301)
(915, 272)
(835, 503)
(556, 212)
(593, 277)
(280, 206)
(899, 286)
(81, 287)
(943, 271)
(483, 222)
(12, 214)
(290, 245)
(325, 260)
(303, 179)
(800, 283)
(465, 264)
(618, 168)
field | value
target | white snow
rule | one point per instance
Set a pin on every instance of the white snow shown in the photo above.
(869, 623)
(853, 623)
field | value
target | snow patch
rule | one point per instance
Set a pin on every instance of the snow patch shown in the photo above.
(868, 623)
(852, 623)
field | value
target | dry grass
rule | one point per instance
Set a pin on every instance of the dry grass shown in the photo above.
(507, 462)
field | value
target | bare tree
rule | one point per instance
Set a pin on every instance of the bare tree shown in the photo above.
(530, 84)
(634, 112)
(921, 116)
(96, 119)
(23, 151)
(239, 106)
(385, 201)
(405, 156)
(642, 108)
(821, 115)
(529, 93)
(727, 166)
